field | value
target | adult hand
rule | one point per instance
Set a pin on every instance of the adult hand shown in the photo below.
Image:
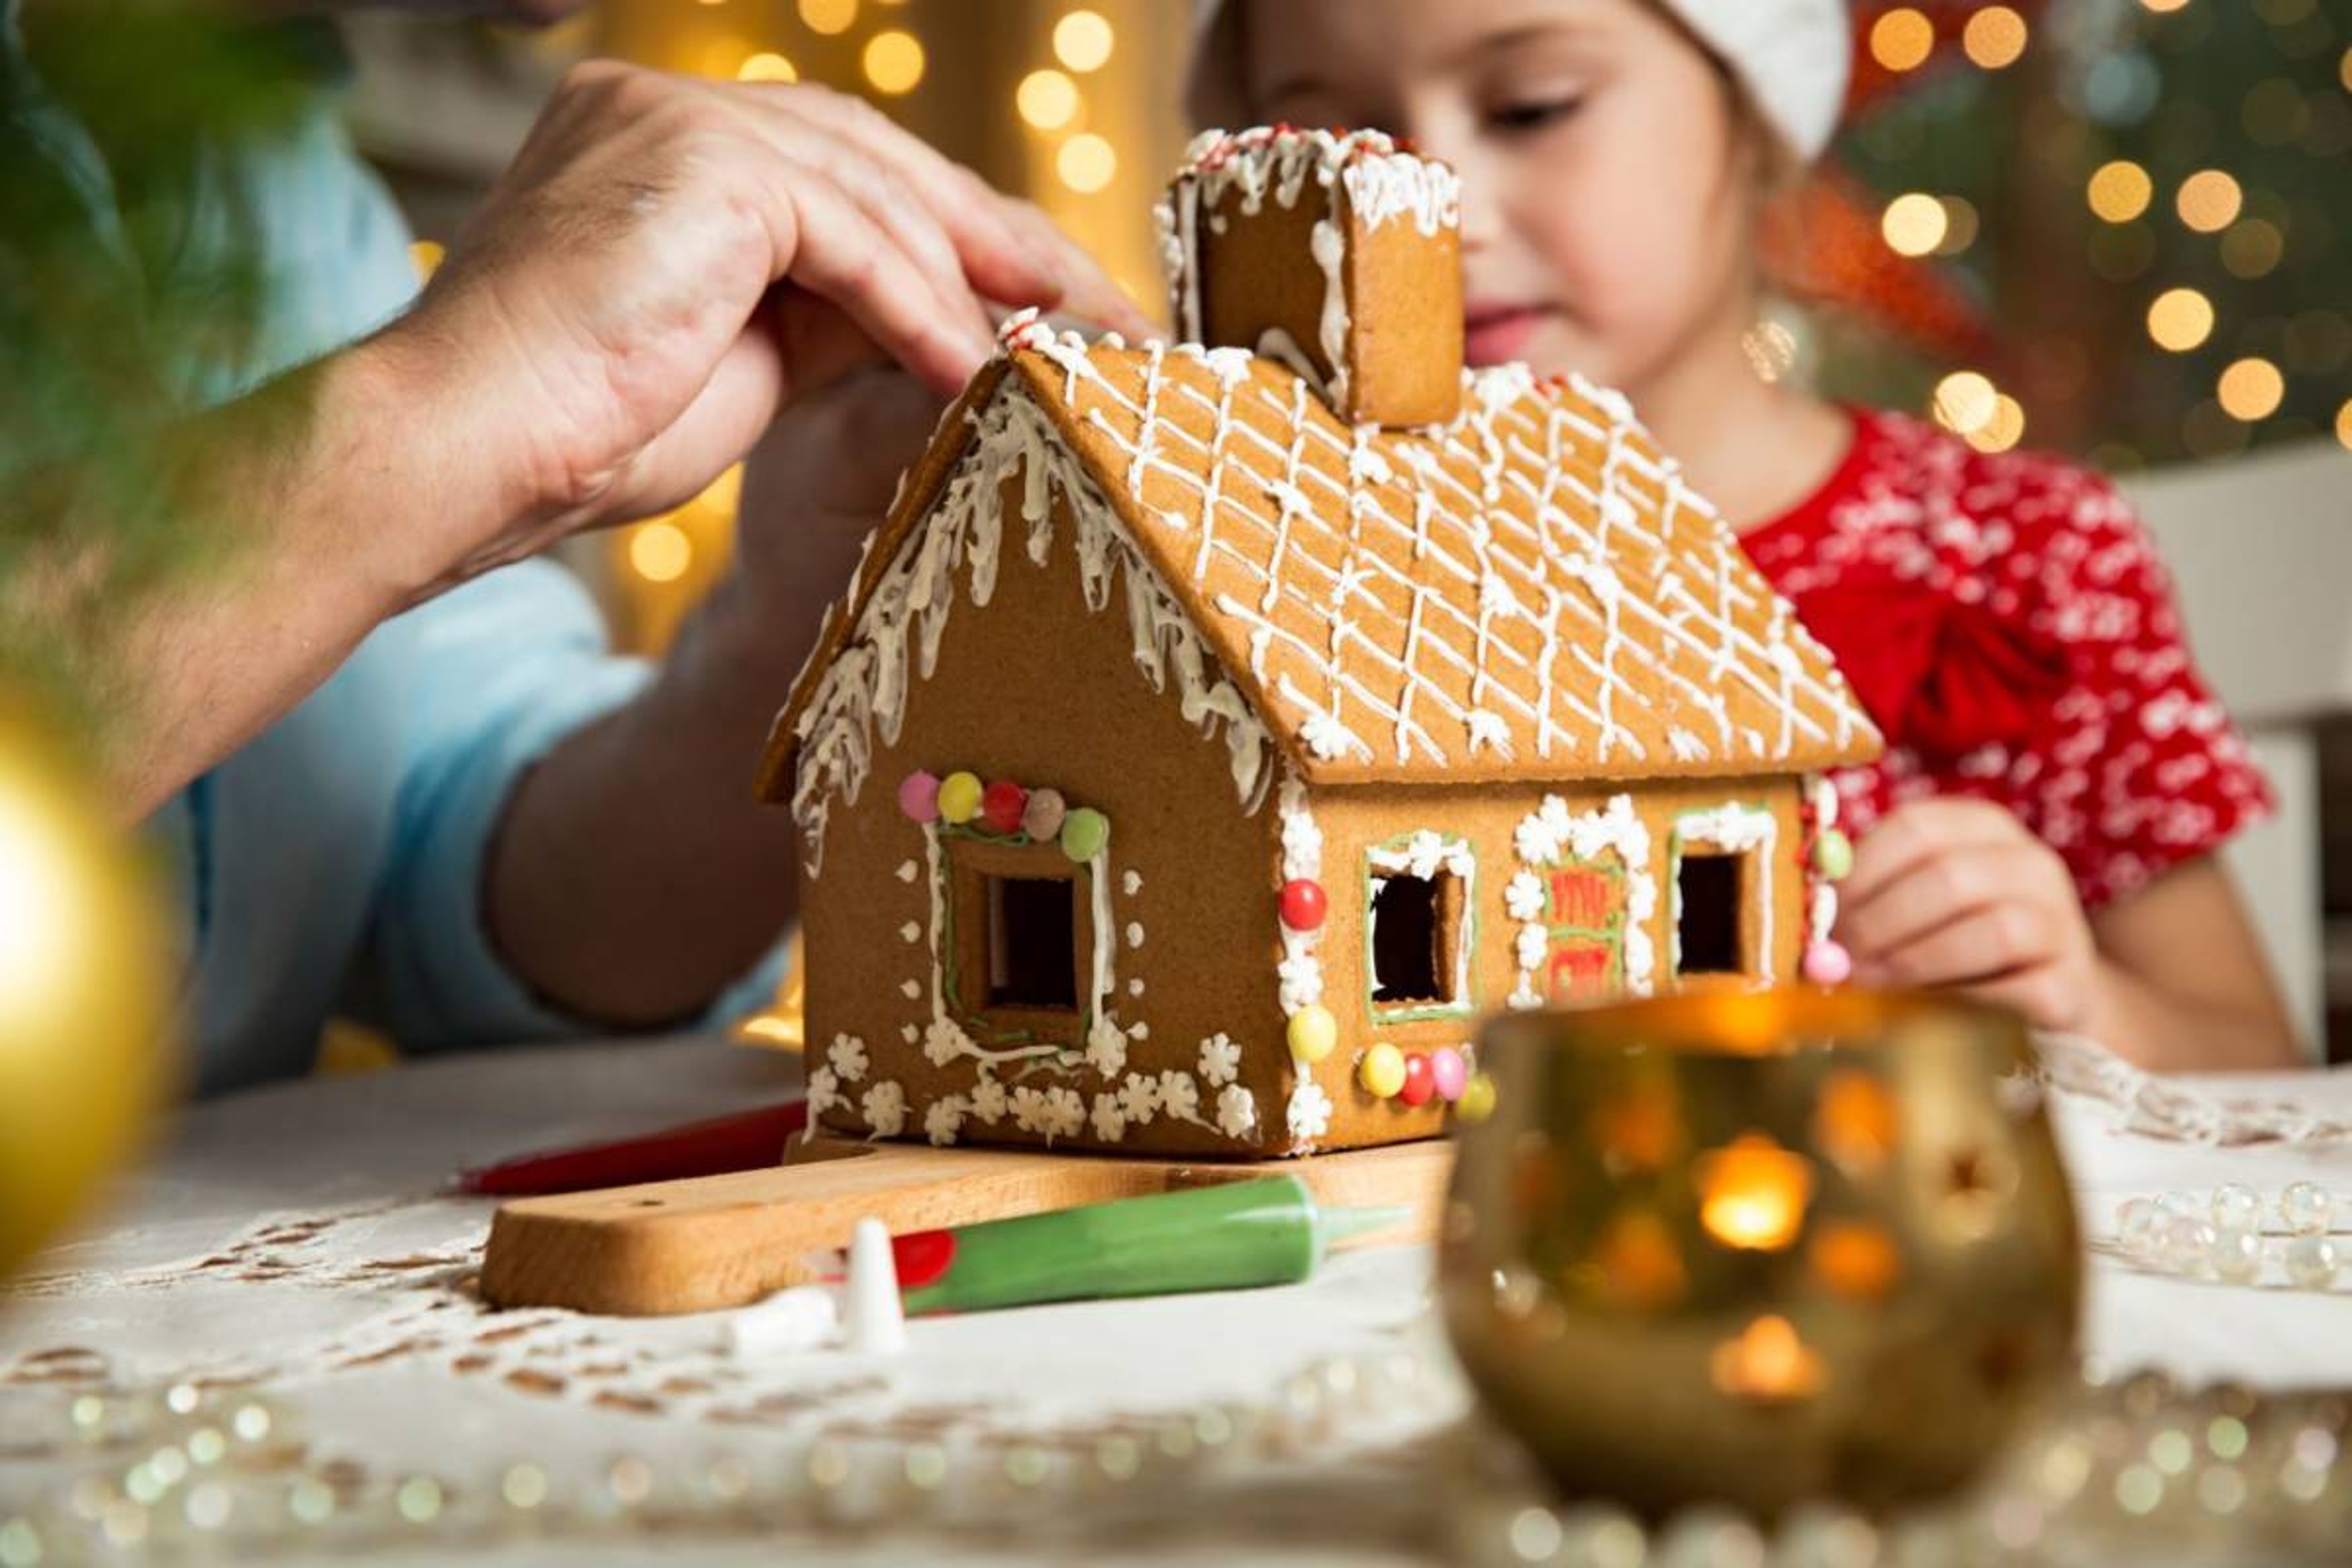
(668, 262)
(1955, 892)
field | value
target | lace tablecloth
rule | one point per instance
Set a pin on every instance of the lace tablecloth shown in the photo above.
(295, 1241)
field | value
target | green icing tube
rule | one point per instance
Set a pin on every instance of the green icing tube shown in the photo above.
(1227, 1237)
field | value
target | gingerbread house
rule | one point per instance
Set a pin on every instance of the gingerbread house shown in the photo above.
(1215, 729)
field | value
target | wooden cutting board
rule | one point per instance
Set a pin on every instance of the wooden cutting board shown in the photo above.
(709, 1242)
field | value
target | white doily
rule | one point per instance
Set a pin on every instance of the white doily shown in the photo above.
(2179, 1109)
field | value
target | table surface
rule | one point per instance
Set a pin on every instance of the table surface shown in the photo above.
(297, 1238)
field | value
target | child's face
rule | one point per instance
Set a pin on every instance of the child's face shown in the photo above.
(1607, 201)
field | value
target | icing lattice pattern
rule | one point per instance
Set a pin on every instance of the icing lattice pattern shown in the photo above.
(1530, 591)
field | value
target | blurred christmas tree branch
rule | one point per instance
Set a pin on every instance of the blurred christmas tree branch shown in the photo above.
(108, 318)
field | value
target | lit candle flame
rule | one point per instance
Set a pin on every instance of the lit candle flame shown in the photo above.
(1753, 1192)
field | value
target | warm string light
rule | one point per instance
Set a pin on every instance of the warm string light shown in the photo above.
(1086, 163)
(894, 62)
(2180, 319)
(2120, 192)
(767, 66)
(2251, 389)
(1914, 223)
(1901, 39)
(2208, 201)
(1994, 38)
(1047, 99)
(828, 17)
(1083, 41)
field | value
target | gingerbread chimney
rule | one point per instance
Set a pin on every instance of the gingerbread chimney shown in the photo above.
(1338, 252)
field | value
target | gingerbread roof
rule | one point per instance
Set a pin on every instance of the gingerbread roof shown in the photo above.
(1528, 592)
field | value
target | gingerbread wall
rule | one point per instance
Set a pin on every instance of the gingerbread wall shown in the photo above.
(1038, 688)
(1489, 820)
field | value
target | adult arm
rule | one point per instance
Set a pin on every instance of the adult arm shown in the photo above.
(666, 264)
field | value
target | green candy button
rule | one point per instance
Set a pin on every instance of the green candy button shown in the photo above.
(1834, 855)
(1083, 833)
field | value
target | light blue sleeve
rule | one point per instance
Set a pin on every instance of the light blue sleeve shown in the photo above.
(499, 672)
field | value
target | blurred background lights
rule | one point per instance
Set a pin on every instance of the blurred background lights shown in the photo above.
(1083, 40)
(1901, 39)
(2208, 201)
(2002, 429)
(2120, 192)
(1047, 99)
(2180, 319)
(1914, 223)
(2251, 389)
(894, 62)
(1966, 401)
(1085, 163)
(767, 66)
(1995, 36)
(660, 551)
(828, 17)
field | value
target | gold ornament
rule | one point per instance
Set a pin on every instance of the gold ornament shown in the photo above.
(1755, 1250)
(84, 964)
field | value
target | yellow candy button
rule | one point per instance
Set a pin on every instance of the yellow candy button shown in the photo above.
(960, 798)
(1313, 1031)
(1382, 1070)
(1477, 1101)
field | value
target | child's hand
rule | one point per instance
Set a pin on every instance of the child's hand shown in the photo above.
(1955, 892)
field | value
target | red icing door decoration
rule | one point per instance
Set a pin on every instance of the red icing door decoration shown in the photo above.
(1587, 927)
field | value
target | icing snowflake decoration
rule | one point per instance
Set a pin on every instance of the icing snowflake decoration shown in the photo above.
(884, 1106)
(847, 1055)
(1309, 1113)
(944, 1119)
(1221, 1060)
(1236, 1111)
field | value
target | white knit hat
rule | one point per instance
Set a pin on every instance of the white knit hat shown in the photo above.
(1792, 56)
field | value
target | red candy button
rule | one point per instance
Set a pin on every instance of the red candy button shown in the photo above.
(1001, 805)
(1303, 904)
(1420, 1080)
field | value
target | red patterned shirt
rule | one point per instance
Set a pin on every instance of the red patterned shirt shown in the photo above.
(2006, 621)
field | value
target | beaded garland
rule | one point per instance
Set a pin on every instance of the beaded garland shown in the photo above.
(2227, 1236)
(2126, 1467)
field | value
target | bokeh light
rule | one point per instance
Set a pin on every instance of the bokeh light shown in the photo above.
(660, 551)
(2120, 192)
(1086, 163)
(829, 16)
(1914, 223)
(1995, 36)
(2002, 429)
(1960, 225)
(1046, 99)
(2253, 248)
(2343, 424)
(894, 62)
(1901, 39)
(767, 66)
(2251, 388)
(1083, 40)
(2163, 5)
(1966, 401)
(2208, 201)
(2180, 319)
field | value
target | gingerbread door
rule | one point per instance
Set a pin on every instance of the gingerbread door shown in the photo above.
(1585, 927)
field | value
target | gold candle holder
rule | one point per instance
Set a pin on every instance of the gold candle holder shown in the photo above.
(1756, 1248)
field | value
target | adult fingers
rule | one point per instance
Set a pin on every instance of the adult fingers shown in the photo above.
(840, 254)
(1089, 293)
(1000, 259)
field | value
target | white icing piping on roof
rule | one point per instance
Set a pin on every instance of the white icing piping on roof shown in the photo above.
(863, 689)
